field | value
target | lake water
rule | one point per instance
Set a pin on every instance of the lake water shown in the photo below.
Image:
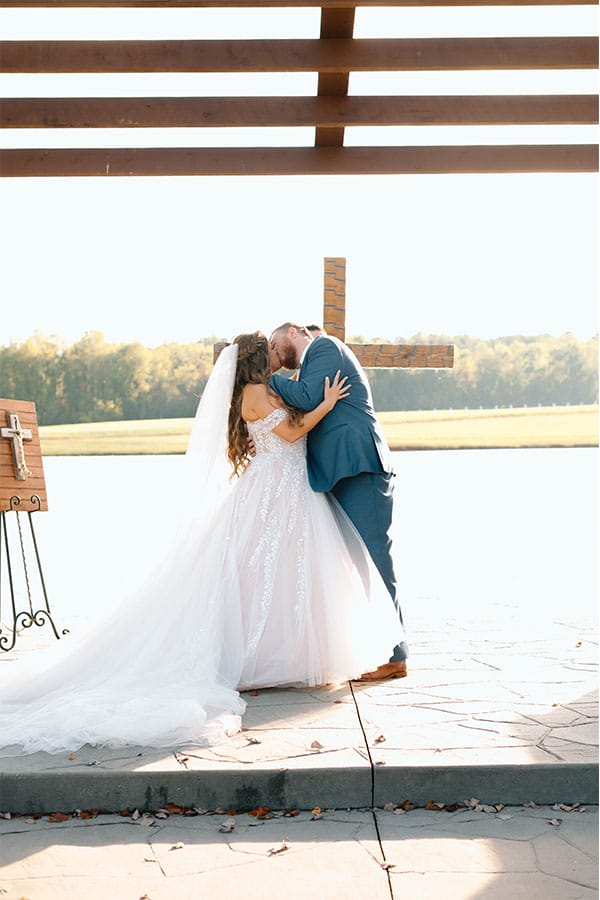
(509, 536)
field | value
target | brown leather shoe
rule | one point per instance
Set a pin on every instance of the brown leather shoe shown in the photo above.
(387, 670)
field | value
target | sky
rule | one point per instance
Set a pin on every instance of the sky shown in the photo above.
(177, 259)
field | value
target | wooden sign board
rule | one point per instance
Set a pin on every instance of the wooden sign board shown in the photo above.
(21, 467)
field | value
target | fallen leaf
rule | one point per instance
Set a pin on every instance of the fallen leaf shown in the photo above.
(453, 807)
(261, 812)
(5, 815)
(125, 812)
(431, 804)
(227, 826)
(380, 762)
(473, 802)
(58, 817)
(254, 693)
(579, 644)
(555, 822)
(174, 809)
(317, 812)
(564, 807)
(389, 807)
(254, 740)
(316, 746)
(161, 814)
(407, 805)
(280, 849)
(178, 846)
(380, 739)
(387, 865)
(291, 813)
(196, 811)
(217, 811)
(88, 813)
(529, 804)
(338, 701)
(72, 756)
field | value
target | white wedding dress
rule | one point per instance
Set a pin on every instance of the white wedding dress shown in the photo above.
(268, 584)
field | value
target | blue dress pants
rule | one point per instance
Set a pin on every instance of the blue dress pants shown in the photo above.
(367, 500)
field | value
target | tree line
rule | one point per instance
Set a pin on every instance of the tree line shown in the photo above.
(93, 380)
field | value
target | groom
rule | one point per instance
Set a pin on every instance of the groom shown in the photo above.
(347, 452)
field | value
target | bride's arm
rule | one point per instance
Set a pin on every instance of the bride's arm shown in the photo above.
(335, 391)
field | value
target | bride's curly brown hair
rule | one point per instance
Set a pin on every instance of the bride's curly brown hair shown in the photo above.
(253, 367)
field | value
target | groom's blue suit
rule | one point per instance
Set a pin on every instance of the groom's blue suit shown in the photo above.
(347, 451)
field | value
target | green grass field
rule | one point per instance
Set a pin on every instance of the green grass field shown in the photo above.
(548, 426)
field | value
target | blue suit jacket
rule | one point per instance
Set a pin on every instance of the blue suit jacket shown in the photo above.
(349, 439)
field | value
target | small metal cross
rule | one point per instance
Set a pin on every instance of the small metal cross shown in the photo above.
(16, 434)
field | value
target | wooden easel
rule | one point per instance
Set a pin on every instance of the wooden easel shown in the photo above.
(22, 490)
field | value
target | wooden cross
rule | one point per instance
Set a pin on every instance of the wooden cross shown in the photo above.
(16, 434)
(375, 356)
(371, 356)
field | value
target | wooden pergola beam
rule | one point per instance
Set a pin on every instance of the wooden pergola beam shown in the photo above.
(325, 4)
(321, 112)
(335, 23)
(326, 55)
(298, 160)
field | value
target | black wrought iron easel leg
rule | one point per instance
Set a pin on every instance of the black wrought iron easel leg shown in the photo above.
(24, 618)
(4, 639)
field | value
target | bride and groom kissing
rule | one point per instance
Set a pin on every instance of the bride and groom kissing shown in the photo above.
(281, 575)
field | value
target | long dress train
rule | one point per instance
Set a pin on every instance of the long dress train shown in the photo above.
(274, 587)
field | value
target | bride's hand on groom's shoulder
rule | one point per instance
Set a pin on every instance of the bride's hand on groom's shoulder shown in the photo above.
(336, 390)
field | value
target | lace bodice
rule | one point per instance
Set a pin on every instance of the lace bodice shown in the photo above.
(265, 441)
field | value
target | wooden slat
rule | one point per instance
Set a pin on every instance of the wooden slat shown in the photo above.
(330, 55)
(327, 4)
(323, 112)
(299, 160)
(334, 296)
(404, 356)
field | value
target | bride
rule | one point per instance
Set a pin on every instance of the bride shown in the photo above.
(268, 583)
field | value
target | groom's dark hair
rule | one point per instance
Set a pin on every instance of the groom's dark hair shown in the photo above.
(301, 328)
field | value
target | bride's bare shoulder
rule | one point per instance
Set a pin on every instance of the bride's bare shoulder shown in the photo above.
(258, 401)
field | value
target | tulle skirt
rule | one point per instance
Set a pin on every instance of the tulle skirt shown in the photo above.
(272, 587)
